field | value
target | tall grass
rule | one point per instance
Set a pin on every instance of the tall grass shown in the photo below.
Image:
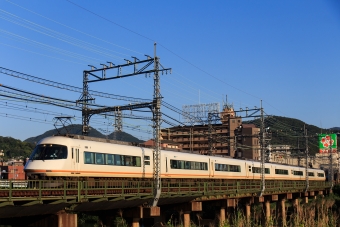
(321, 212)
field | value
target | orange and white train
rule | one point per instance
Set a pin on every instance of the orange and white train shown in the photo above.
(74, 157)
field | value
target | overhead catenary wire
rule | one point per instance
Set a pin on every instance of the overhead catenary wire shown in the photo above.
(57, 35)
(210, 91)
(84, 33)
(160, 44)
(173, 93)
(177, 111)
(52, 101)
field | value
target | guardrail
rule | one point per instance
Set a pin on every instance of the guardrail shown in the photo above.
(111, 190)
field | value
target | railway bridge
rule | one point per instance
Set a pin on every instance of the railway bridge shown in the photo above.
(57, 203)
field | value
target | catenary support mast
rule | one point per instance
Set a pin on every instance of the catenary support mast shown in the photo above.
(263, 152)
(157, 98)
(101, 74)
(307, 156)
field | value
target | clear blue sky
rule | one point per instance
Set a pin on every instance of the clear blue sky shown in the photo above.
(285, 53)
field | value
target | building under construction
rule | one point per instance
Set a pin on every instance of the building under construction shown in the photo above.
(228, 137)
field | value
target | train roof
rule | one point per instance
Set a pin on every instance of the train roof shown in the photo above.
(102, 140)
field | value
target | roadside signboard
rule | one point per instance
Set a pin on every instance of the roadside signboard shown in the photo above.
(327, 142)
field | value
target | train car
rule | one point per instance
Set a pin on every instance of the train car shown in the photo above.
(80, 157)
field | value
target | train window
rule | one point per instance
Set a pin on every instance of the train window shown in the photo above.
(258, 170)
(234, 168)
(88, 157)
(187, 165)
(137, 161)
(122, 160)
(48, 152)
(311, 174)
(173, 164)
(197, 165)
(77, 155)
(281, 171)
(128, 161)
(227, 168)
(147, 162)
(113, 159)
(179, 164)
(117, 161)
(109, 159)
(321, 175)
(132, 161)
(297, 173)
(100, 159)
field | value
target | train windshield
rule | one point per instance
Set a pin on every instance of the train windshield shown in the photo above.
(49, 151)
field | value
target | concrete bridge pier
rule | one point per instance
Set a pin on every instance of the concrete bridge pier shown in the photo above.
(281, 211)
(186, 218)
(222, 214)
(267, 210)
(66, 219)
(187, 208)
(266, 205)
(248, 212)
(296, 204)
(138, 213)
(247, 207)
(135, 222)
(305, 198)
(226, 206)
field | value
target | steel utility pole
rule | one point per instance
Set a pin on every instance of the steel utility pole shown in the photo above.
(101, 74)
(262, 143)
(307, 156)
(331, 174)
(156, 109)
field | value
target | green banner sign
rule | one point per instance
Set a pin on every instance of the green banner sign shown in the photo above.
(327, 142)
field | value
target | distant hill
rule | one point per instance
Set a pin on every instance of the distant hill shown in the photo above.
(335, 129)
(77, 130)
(289, 131)
(14, 148)
(284, 131)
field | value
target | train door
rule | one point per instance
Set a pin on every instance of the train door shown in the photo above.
(145, 161)
(75, 158)
(212, 168)
(166, 165)
(248, 170)
(252, 171)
